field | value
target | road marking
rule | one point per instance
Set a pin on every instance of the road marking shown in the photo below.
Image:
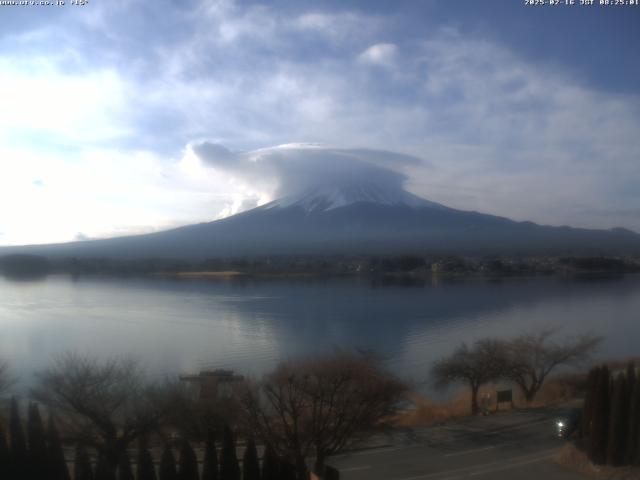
(466, 452)
(355, 469)
(487, 467)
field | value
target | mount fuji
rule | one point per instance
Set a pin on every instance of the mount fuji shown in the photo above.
(349, 218)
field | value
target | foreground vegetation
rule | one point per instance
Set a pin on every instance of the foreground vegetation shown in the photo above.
(611, 417)
(307, 409)
(525, 360)
(110, 413)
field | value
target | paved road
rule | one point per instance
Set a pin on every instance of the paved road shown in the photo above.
(510, 445)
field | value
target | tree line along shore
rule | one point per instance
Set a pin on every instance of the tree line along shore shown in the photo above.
(19, 265)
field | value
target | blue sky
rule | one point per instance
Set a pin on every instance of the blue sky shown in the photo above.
(524, 111)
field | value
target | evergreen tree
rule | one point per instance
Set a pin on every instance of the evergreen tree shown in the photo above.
(210, 466)
(104, 470)
(631, 376)
(168, 465)
(587, 409)
(229, 468)
(5, 456)
(270, 467)
(56, 462)
(145, 469)
(250, 463)
(600, 418)
(632, 454)
(82, 465)
(124, 467)
(188, 462)
(616, 446)
(37, 443)
(287, 470)
(18, 450)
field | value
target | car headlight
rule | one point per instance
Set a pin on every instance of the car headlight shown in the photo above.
(560, 424)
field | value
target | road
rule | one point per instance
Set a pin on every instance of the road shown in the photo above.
(508, 445)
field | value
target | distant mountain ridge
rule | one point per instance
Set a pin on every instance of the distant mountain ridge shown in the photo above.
(354, 218)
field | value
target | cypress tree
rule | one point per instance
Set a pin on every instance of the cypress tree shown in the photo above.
(270, 470)
(210, 466)
(188, 462)
(616, 446)
(287, 470)
(104, 470)
(124, 467)
(37, 443)
(145, 469)
(600, 419)
(4, 455)
(82, 465)
(631, 376)
(632, 454)
(18, 450)
(56, 462)
(587, 408)
(229, 468)
(168, 465)
(250, 463)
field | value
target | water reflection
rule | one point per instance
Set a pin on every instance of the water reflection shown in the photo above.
(249, 324)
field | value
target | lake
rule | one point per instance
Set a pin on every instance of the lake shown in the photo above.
(248, 324)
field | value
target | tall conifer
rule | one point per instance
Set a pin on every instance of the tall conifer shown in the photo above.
(56, 462)
(229, 468)
(270, 466)
(37, 443)
(210, 466)
(104, 470)
(188, 462)
(600, 419)
(632, 453)
(168, 465)
(616, 445)
(18, 444)
(587, 409)
(124, 467)
(250, 463)
(82, 465)
(4, 454)
(287, 470)
(145, 469)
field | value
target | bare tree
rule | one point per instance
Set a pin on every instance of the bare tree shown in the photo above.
(107, 404)
(532, 356)
(474, 365)
(320, 406)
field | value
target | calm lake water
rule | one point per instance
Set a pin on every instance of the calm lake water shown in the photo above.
(250, 324)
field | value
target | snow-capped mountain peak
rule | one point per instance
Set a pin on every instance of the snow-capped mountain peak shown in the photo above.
(330, 197)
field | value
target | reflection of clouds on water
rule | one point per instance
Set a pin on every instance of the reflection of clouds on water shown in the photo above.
(248, 325)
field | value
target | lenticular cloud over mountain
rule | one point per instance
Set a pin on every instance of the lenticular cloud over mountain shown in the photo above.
(293, 170)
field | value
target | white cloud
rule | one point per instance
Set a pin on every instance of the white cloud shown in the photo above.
(383, 54)
(37, 98)
(284, 170)
(502, 134)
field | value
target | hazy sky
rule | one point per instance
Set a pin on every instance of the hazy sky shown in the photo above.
(106, 109)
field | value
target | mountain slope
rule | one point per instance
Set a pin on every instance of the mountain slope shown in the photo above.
(350, 219)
